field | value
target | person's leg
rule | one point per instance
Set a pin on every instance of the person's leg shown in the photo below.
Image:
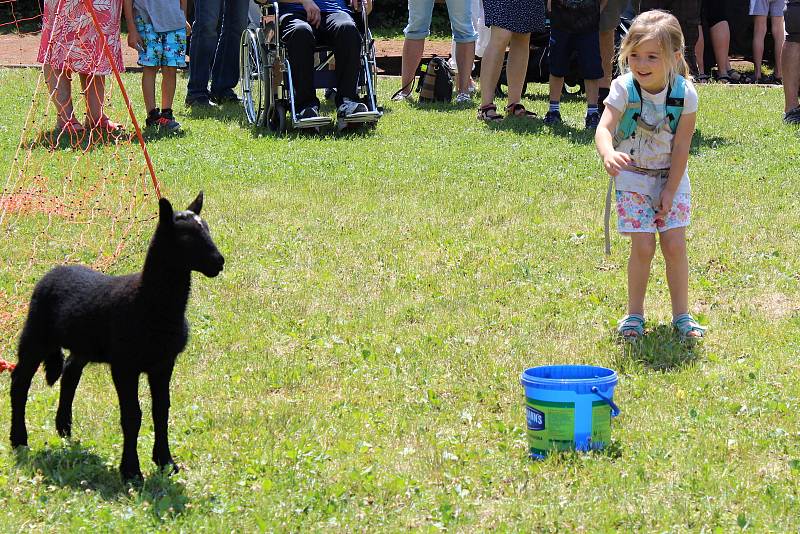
(699, 50)
(517, 66)
(169, 77)
(607, 56)
(464, 34)
(94, 89)
(560, 50)
(492, 63)
(300, 41)
(720, 41)
(149, 87)
(778, 36)
(688, 14)
(673, 247)
(205, 38)
(417, 29)
(225, 71)
(643, 248)
(339, 31)
(59, 83)
(759, 32)
(790, 59)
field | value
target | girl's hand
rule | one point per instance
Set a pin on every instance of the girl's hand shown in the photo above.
(665, 204)
(615, 161)
(135, 40)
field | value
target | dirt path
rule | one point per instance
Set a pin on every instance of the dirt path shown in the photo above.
(18, 51)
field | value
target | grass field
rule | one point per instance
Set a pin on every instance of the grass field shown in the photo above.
(356, 366)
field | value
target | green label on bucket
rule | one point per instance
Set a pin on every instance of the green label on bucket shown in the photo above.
(601, 422)
(557, 430)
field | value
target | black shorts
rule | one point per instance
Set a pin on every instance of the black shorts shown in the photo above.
(714, 12)
(588, 47)
(792, 19)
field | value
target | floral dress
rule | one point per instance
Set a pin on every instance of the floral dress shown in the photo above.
(71, 42)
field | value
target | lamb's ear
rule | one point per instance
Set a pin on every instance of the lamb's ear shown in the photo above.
(197, 205)
(165, 213)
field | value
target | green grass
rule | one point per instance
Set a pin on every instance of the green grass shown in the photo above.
(356, 366)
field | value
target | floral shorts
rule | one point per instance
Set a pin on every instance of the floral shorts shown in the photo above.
(161, 49)
(635, 213)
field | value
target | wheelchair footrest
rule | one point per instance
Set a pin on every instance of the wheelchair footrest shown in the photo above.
(358, 118)
(314, 122)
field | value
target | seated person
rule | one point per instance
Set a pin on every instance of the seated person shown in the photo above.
(329, 22)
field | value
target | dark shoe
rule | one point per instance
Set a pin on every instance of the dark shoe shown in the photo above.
(167, 121)
(152, 117)
(224, 99)
(199, 102)
(311, 112)
(592, 121)
(792, 116)
(552, 117)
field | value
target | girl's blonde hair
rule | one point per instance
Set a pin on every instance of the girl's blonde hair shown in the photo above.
(664, 29)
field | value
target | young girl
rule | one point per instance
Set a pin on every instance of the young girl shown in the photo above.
(644, 138)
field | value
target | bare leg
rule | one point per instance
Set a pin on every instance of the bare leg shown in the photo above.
(94, 87)
(673, 246)
(465, 56)
(778, 36)
(149, 87)
(700, 50)
(168, 81)
(517, 68)
(720, 41)
(607, 56)
(790, 59)
(59, 83)
(643, 248)
(556, 86)
(759, 32)
(492, 62)
(69, 382)
(591, 91)
(412, 55)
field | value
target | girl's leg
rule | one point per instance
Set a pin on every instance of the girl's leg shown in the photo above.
(673, 246)
(778, 36)
(168, 80)
(59, 83)
(517, 68)
(699, 50)
(492, 62)
(94, 89)
(643, 248)
(149, 87)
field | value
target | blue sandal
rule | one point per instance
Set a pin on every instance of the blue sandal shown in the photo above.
(631, 327)
(688, 327)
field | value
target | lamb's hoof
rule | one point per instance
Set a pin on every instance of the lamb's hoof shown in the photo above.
(168, 467)
(64, 429)
(19, 439)
(132, 476)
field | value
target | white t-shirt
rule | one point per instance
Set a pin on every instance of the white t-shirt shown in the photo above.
(650, 147)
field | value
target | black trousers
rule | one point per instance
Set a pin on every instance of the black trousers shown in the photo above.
(336, 29)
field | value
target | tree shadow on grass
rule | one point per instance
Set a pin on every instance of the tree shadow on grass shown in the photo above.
(71, 465)
(660, 349)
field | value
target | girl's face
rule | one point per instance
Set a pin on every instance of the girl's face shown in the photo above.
(649, 66)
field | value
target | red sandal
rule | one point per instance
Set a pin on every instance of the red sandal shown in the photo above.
(518, 110)
(489, 113)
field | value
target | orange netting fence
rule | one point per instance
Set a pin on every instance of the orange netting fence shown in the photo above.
(80, 187)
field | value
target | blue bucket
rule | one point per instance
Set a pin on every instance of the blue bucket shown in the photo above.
(568, 407)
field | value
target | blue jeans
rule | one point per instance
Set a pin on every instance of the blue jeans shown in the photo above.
(420, 13)
(215, 54)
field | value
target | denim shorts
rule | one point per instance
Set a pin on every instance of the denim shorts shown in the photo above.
(161, 49)
(635, 213)
(586, 44)
(773, 8)
(420, 13)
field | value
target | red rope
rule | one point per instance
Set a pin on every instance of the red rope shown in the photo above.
(6, 366)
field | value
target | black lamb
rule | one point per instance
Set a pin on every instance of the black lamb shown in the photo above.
(135, 323)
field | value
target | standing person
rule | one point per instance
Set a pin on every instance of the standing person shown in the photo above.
(644, 138)
(609, 21)
(759, 10)
(215, 54)
(715, 17)
(688, 14)
(71, 44)
(420, 13)
(511, 24)
(575, 26)
(160, 37)
(791, 62)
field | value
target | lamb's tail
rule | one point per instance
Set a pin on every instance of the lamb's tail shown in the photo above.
(53, 366)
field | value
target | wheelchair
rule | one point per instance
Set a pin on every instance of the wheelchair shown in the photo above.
(266, 84)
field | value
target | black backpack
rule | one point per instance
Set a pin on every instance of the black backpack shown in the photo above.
(436, 81)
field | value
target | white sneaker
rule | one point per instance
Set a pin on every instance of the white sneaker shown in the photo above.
(461, 98)
(349, 107)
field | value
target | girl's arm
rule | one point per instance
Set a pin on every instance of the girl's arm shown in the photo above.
(613, 161)
(188, 26)
(134, 39)
(680, 157)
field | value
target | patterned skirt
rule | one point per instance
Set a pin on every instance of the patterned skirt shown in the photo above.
(519, 16)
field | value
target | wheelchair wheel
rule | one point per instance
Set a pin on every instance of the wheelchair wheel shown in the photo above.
(252, 77)
(276, 119)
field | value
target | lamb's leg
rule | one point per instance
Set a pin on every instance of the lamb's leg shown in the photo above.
(126, 382)
(69, 382)
(159, 390)
(29, 358)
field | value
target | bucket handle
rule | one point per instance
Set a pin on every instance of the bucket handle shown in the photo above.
(614, 407)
